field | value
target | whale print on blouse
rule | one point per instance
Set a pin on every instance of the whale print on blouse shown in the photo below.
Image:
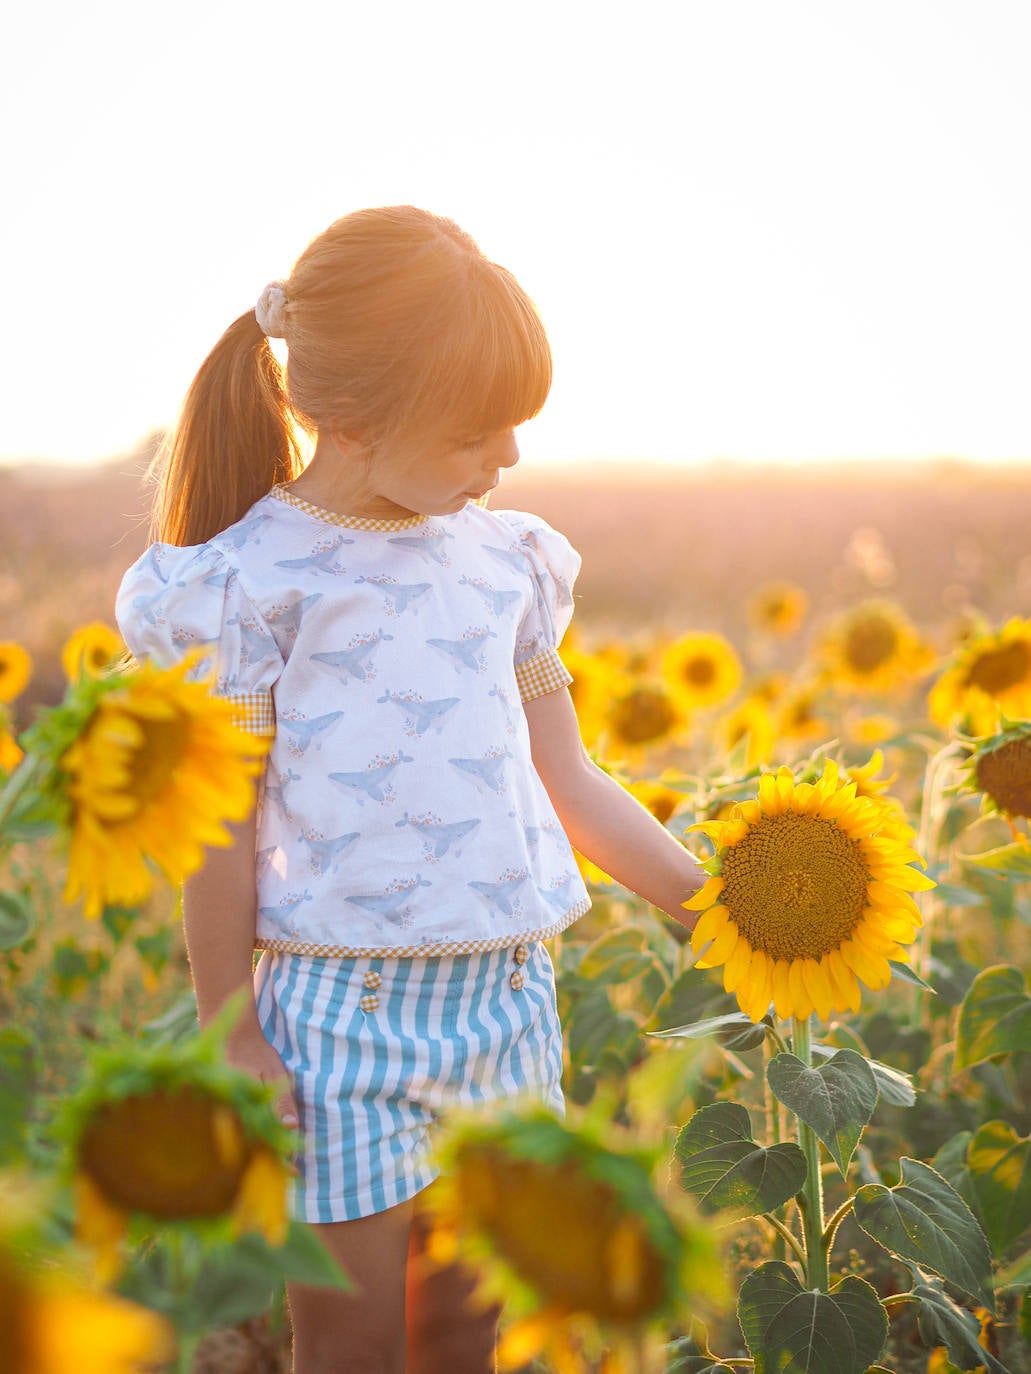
(152, 561)
(430, 546)
(244, 533)
(535, 833)
(275, 792)
(502, 894)
(263, 861)
(355, 661)
(286, 908)
(255, 641)
(390, 903)
(398, 596)
(559, 895)
(147, 606)
(325, 855)
(322, 559)
(487, 770)
(497, 601)
(303, 732)
(289, 618)
(420, 715)
(511, 709)
(438, 836)
(467, 651)
(512, 558)
(373, 781)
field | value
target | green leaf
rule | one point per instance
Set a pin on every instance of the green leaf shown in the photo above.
(999, 1162)
(940, 1321)
(893, 1086)
(954, 894)
(791, 1331)
(722, 1166)
(594, 1026)
(951, 1163)
(904, 974)
(17, 920)
(689, 994)
(837, 1099)
(19, 1072)
(118, 921)
(995, 1017)
(696, 1029)
(683, 1356)
(1012, 859)
(924, 1219)
(618, 956)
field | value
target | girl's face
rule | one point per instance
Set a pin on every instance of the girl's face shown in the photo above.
(438, 478)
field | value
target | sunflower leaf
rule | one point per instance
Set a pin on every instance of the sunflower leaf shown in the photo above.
(905, 974)
(722, 1166)
(940, 1321)
(893, 1086)
(995, 1017)
(792, 1331)
(618, 956)
(924, 1219)
(694, 1030)
(17, 920)
(1012, 859)
(999, 1164)
(837, 1099)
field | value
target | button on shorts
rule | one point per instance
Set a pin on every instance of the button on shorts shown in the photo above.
(377, 1049)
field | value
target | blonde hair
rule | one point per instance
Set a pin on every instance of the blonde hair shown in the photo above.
(396, 324)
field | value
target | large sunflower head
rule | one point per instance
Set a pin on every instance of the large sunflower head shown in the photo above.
(989, 678)
(810, 896)
(1000, 769)
(52, 1320)
(874, 648)
(145, 768)
(702, 669)
(173, 1134)
(566, 1227)
(778, 608)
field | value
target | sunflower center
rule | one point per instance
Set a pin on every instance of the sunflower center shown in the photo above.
(870, 642)
(643, 715)
(699, 671)
(1005, 774)
(996, 670)
(172, 1153)
(154, 762)
(795, 886)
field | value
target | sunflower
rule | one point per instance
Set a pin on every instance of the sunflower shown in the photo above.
(874, 648)
(569, 1230)
(173, 1134)
(778, 608)
(11, 752)
(702, 669)
(589, 687)
(1000, 769)
(642, 713)
(812, 896)
(154, 773)
(52, 1322)
(990, 677)
(657, 797)
(15, 670)
(91, 649)
(752, 719)
(799, 717)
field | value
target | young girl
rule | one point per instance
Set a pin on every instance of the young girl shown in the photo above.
(411, 852)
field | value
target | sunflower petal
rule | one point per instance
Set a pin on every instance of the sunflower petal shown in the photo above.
(706, 894)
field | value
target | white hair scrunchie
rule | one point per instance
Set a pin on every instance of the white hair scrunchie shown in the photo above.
(270, 311)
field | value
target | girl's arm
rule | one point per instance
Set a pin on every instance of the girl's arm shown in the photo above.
(603, 821)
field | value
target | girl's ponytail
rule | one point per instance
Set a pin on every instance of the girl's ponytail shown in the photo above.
(235, 438)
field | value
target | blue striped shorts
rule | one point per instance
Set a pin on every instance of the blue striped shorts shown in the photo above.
(377, 1049)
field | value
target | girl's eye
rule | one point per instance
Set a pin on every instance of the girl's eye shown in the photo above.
(475, 443)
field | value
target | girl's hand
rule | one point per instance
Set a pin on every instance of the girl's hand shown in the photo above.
(249, 1051)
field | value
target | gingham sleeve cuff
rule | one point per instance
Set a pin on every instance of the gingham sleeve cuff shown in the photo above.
(254, 712)
(544, 673)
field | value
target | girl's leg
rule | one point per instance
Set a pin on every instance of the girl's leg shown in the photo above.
(361, 1331)
(445, 1334)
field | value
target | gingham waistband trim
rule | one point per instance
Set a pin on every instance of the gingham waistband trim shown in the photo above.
(524, 937)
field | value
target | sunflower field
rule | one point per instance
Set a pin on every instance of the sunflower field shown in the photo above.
(798, 1138)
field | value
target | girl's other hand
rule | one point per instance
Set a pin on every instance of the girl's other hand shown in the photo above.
(249, 1051)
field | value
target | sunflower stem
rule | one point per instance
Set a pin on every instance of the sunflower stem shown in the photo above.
(771, 1106)
(927, 845)
(785, 1235)
(816, 1269)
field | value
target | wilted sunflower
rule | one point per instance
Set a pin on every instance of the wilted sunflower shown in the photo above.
(811, 898)
(1000, 769)
(702, 669)
(990, 678)
(91, 649)
(570, 1232)
(172, 1133)
(874, 648)
(156, 770)
(640, 714)
(52, 1322)
(778, 608)
(15, 670)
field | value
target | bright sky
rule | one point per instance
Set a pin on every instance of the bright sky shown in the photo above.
(789, 230)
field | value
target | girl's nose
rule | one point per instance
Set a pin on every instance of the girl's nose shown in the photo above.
(506, 454)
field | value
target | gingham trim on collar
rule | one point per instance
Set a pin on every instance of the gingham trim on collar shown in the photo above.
(317, 951)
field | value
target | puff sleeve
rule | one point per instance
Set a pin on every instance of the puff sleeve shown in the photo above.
(553, 564)
(174, 600)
